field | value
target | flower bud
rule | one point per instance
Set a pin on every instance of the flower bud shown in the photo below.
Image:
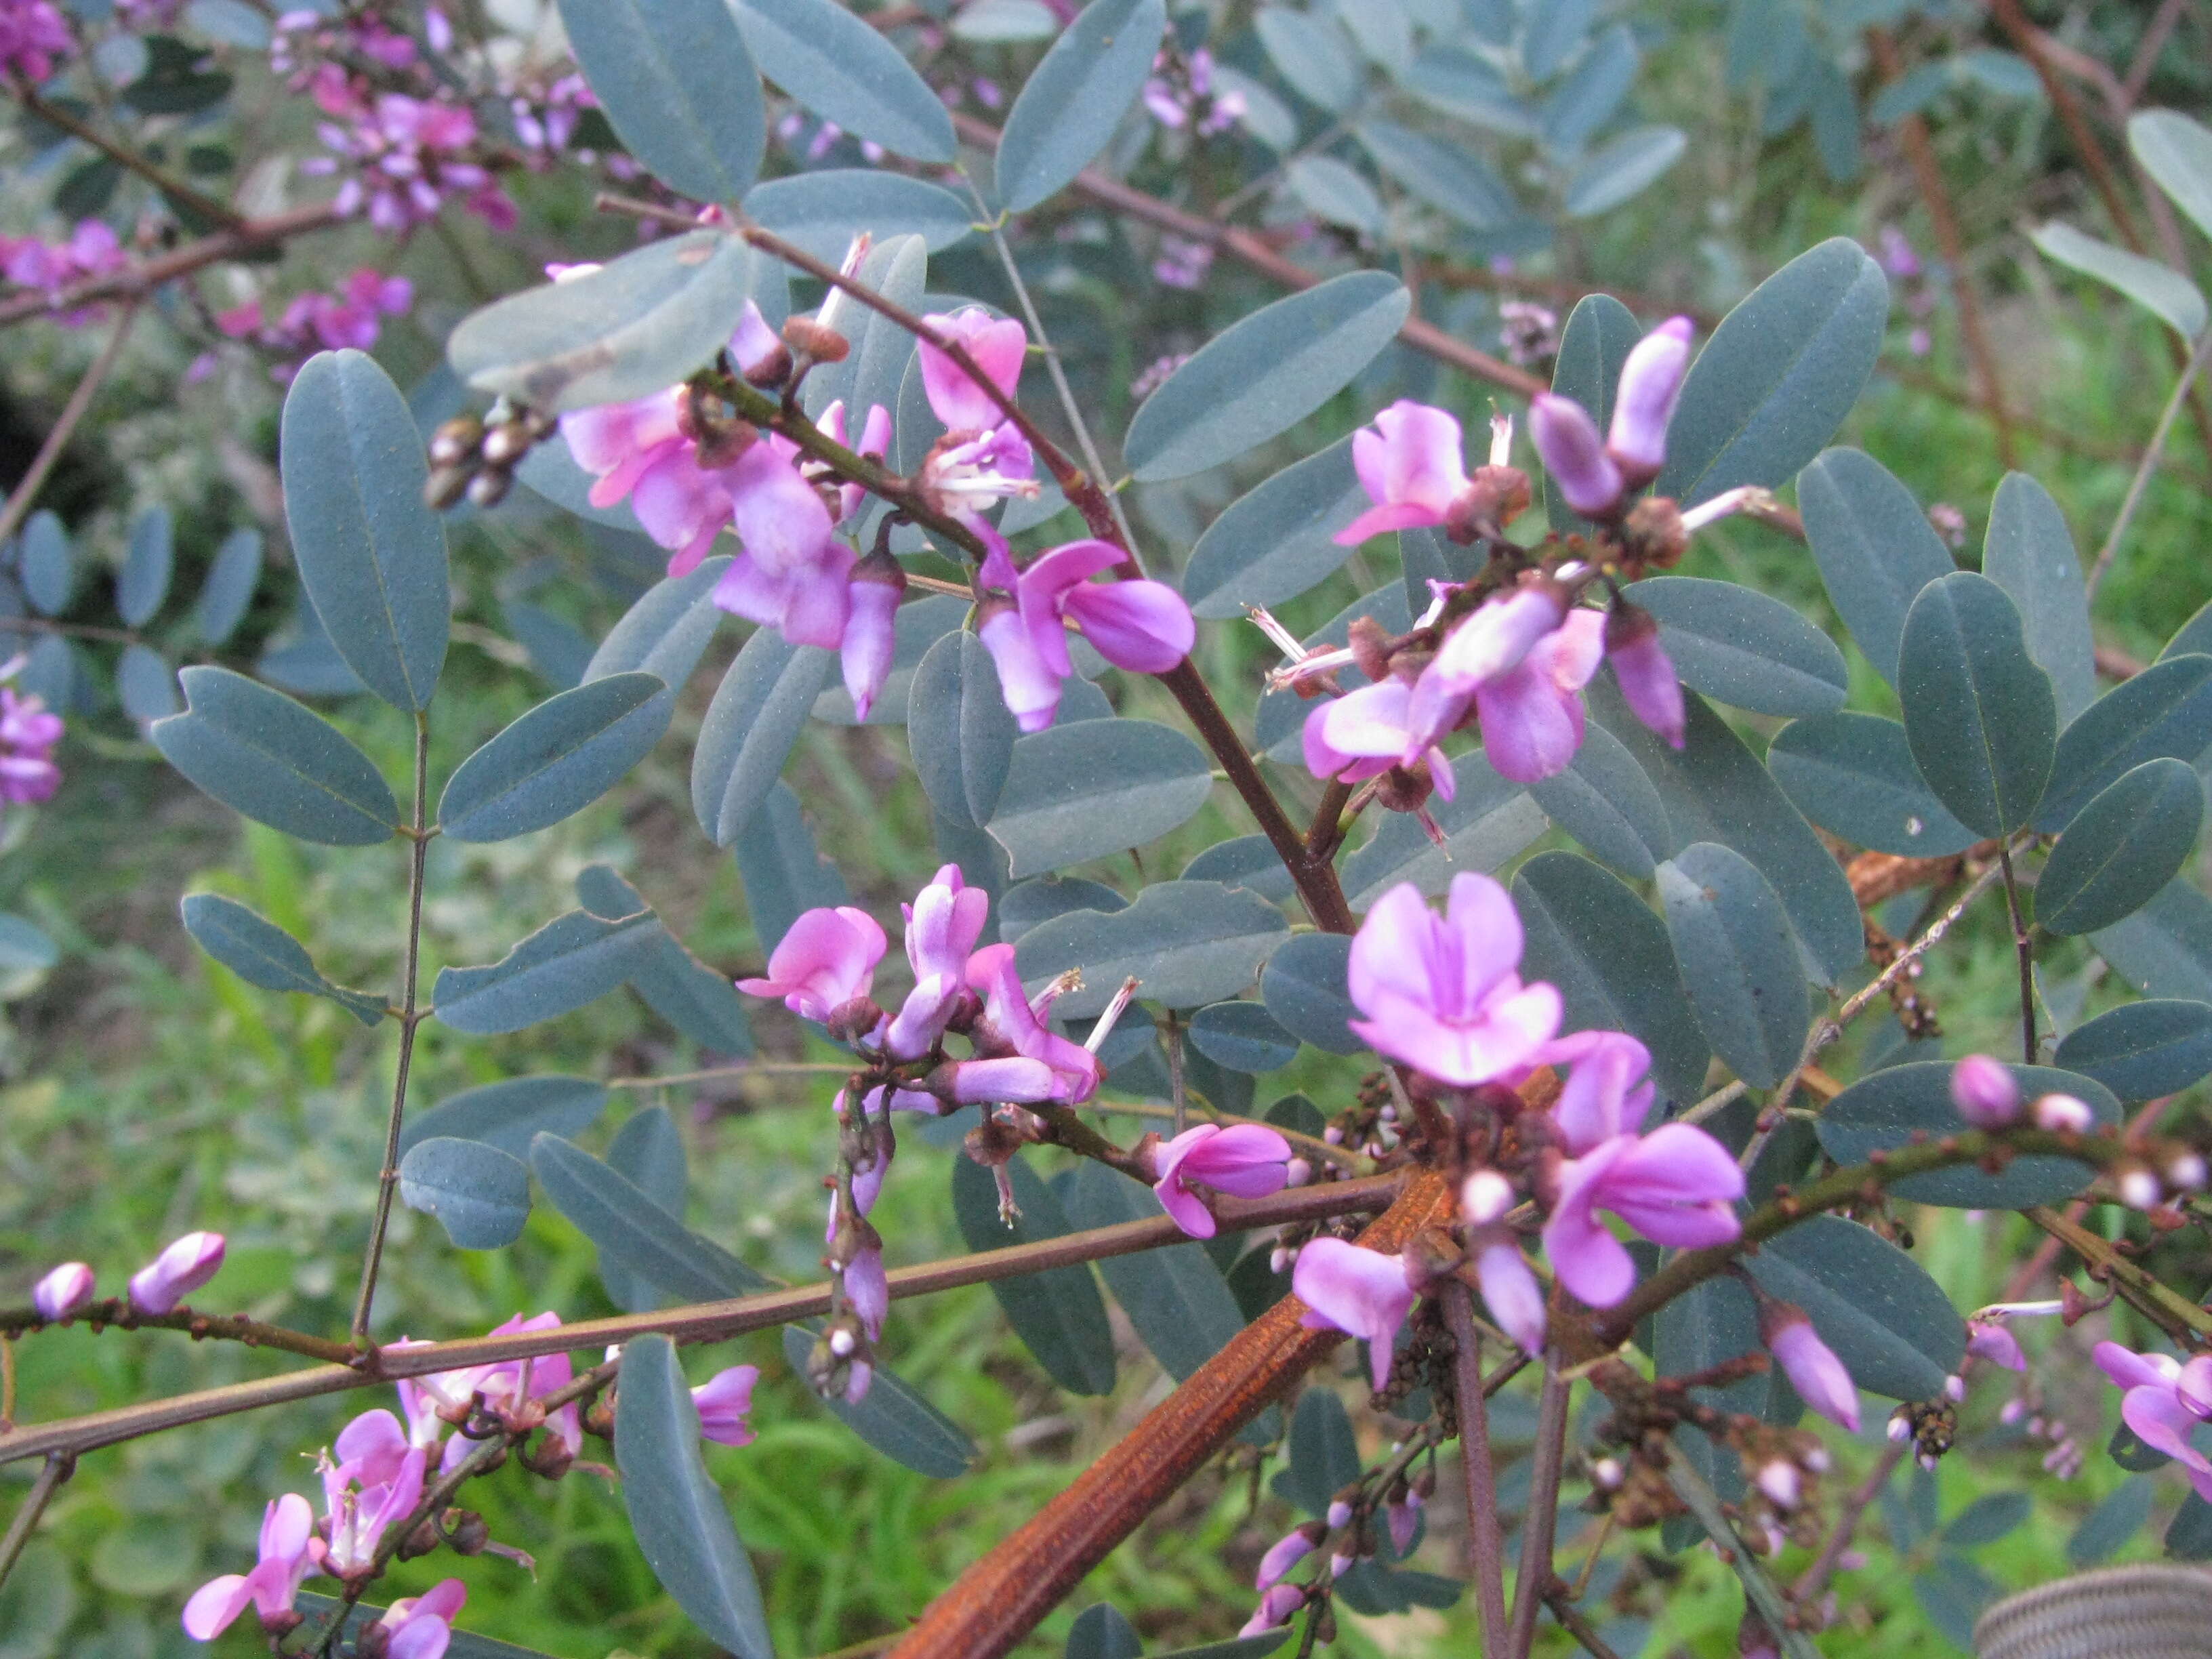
(1954, 1387)
(1574, 454)
(1811, 1365)
(1339, 1514)
(64, 1291)
(1292, 1547)
(456, 441)
(2062, 1115)
(1649, 684)
(757, 349)
(1644, 402)
(1778, 1478)
(488, 488)
(1484, 1197)
(2185, 1172)
(2139, 1188)
(877, 584)
(1900, 1426)
(1985, 1092)
(1015, 1079)
(823, 345)
(179, 1270)
(1275, 1608)
(1296, 1172)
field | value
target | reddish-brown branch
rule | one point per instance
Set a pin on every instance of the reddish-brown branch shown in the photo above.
(80, 401)
(141, 278)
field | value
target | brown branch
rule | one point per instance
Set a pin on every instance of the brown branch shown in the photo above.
(116, 1313)
(1532, 1583)
(138, 280)
(1486, 1544)
(177, 190)
(59, 1467)
(73, 411)
(1572, 1621)
(1002, 1597)
(2171, 1311)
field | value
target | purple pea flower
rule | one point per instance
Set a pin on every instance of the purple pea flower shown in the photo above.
(998, 345)
(1643, 402)
(1573, 453)
(33, 34)
(421, 1626)
(1275, 1608)
(1441, 992)
(64, 1291)
(28, 732)
(358, 1512)
(182, 1268)
(1532, 714)
(1985, 1092)
(1820, 1379)
(827, 960)
(1017, 1021)
(870, 643)
(1409, 463)
(1247, 1160)
(1365, 732)
(1649, 684)
(1140, 625)
(1287, 1551)
(290, 1553)
(942, 925)
(1361, 1293)
(724, 1402)
(1990, 1339)
(1509, 1285)
(2163, 1402)
(1013, 1079)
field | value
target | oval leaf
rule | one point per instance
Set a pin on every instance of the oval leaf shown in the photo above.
(1779, 375)
(1242, 1037)
(1606, 803)
(2121, 849)
(1303, 988)
(1080, 792)
(1875, 546)
(1449, 178)
(2177, 152)
(280, 763)
(1739, 960)
(507, 1115)
(749, 729)
(1075, 97)
(784, 875)
(261, 953)
(1486, 822)
(1741, 647)
(572, 960)
(143, 582)
(2158, 288)
(2163, 713)
(556, 760)
(840, 67)
(1979, 712)
(47, 563)
(681, 1524)
(1884, 1111)
(678, 87)
(1621, 169)
(480, 1194)
(1058, 1313)
(1100, 1633)
(1279, 540)
(1189, 943)
(1263, 374)
(959, 729)
(1874, 1305)
(823, 212)
(1331, 191)
(894, 1419)
(2144, 1050)
(2029, 552)
(371, 553)
(1854, 775)
(667, 632)
(2165, 948)
(629, 1228)
(1176, 1298)
(1310, 53)
(146, 683)
(229, 590)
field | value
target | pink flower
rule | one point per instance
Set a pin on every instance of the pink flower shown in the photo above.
(998, 345)
(358, 1515)
(1573, 453)
(616, 442)
(290, 1553)
(28, 732)
(374, 1445)
(1985, 1092)
(1011, 1080)
(1990, 1339)
(1532, 714)
(1286, 1552)
(2164, 1402)
(1441, 992)
(174, 1275)
(1275, 1608)
(421, 1626)
(1245, 1159)
(64, 1291)
(723, 1402)
(1017, 1021)
(1365, 732)
(1675, 1185)
(1409, 463)
(510, 1390)
(1509, 1288)
(33, 34)
(1495, 640)
(1649, 684)
(1644, 404)
(870, 640)
(965, 472)
(1361, 1293)
(1606, 1092)
(1140, 625)
(827, 960)
(1811, 1365)
(942, 925)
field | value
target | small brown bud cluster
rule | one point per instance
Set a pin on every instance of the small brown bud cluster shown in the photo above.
(1931, 1426)
(1652, 537)
(476, 456)
(2156, 1179)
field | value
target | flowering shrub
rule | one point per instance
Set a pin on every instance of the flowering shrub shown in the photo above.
(1596, 1129)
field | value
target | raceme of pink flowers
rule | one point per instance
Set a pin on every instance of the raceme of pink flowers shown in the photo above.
(351, 317)
(33, 37)
(28, 733)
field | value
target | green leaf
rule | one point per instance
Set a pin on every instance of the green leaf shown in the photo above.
(1075, 97)
(2158, 288)
(556, 760)
(1468, 88)
(1739, 960)
(481, 1194)
(25, 948)
(1622, 169)
(1303, 988)
(1875, 547)
(2121, 849)
(1453, 180)
(1244, 861)
(1854, 775)
(1600, 333)
(370, 553)
(260, 753)
(635, 326)
(1592, 93)
(696, 999)
(840, 67)
(1033, 902)
(1604, 800)
(261, 953)
(677, 86)
(1979, 714)
(508, 1114)
(1058, 1313)
(1263, 374)
(1335, 193)
(1241, 1036)
(959, 729)
(233, 22)
(1556, 29)
(143, 582)
(1099, 1632)
(1242, 1647)
(1610, 957)
(898, 269)
(2163, 713)
(1278, 541)
(1310, 54)
(2177, 152)
(2106, 1529)
(782, 872)
(894, 1419)
(681, 1524)
(1779, 375)
(47, 563)
(629, 1229)
(2029, 553)
(1713, 1322)
(1739, 647)
(146, 683)
(1886, 1320)
(2189, 1537)
(822, 212)
(1189, 942)
(1176, 1298)
(1714, 789)
(1324, 1454)
(1988, 1518)
(572, 960)
(1487, 822)
(2165, 948)
(229, 590)
(648, 1153)
(750, 727)
(1883, 1110)
(2143, 1050)
(1952, 1591)
(667, 632)
(1080, 792)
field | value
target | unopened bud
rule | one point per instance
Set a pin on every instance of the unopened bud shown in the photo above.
(1653, 532)
(1484, 1197)
(1339, 1514)
(2184, 1172)
(1297, 1173)
(503, 445)
(2138, 1189)
(810, 338)
(1985, 1092)
(456, 441)
(2062, 1114)
(489, 487)
(63, 1291)
(446, 485)
(1607, 1473)
(467, 1531)
(1900, 1426)
(1778, 1478)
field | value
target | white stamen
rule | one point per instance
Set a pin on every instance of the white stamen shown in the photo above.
(1111, 1013)
(1278, 636)
(1501, 440)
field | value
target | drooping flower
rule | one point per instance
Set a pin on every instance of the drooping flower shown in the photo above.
(28, 732)
(290, 1553)
(1287, 1551)
(1247, 1160)
(1643, 400)
(1985, 1092)
(826, 960)
(1573, 453)
(1361, 1293)
(998, 347)
(871, 642)
(63, 1291)
(421, 1626)
(182, 1268)
(1990, 1339)
(1366, 732)
(2164, 1401)
(1648, 685)
(724, 1402)
(1532, 714)
(1821, 1380)
(1409, 463)
(1141, 625)
(1275, 1608)
(1011, 1080)
(510, 1392)
(1018, 1020)
(1441, 992)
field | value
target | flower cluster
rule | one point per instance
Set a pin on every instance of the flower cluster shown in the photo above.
(311, 322)
(2163, 1401)
(28, 733)
(32, 36)
(158, 1287)
(1181, 94)
(92, 249)
(403, 156)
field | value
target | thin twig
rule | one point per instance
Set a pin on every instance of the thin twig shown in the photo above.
(177, 190)
(745, 1068)
(2148, 464)
(1534, 1581)
(1485, 1542)
(2024, 946)
(141, 278)
(1572, 1621)
(115, 1313)
(1814, 1579)
(1760, 1588)
(73, 411)
(59, 1467)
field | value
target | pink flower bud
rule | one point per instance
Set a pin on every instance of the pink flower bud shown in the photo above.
(1985, 1092)
(2139, 1188)
(1649, 684)
(1574, 454)
(877, 587)
(1016, 1079)
(63, 1291)
(1286, 1552)
(723, 1402)
(1812, 1366)
(1990, 1341)
(1778, 1478)
(1275, 1608)
(1339, 1516)
(176, 1273)
(2060, 1114)
(1651, 384)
